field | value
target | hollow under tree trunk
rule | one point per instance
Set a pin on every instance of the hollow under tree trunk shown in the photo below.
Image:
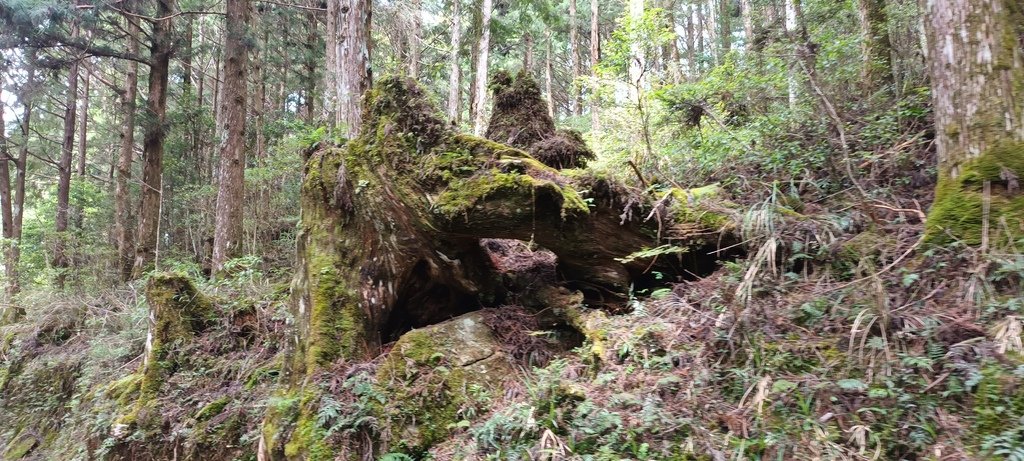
(391, 225)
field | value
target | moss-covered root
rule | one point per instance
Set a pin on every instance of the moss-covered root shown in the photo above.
(177, 313)
(959, 209)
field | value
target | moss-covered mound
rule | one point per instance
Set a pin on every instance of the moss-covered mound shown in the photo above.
(959, 211)
(520, 118)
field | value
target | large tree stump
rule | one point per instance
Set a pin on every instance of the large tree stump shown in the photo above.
(391, 224)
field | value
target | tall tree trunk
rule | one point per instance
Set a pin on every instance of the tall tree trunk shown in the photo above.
(228, 231)
(83, 124)
(123, 213)
(13, 255)
(6, 210)
(976, 62)
(547, 75)
(353, 63)
(791, 24)
(748, 23)
(876, 49)
(483, 49)
(331, 76)
(153, 141)
(672, 48)
(575, 101)
(528, 53)
(691, 55)
(311, 63)
(186, 56)
(725, 27)
(454, 69)
(637, 58)
(416, 36)
(61, 262)
(595, 57)
(701, 48)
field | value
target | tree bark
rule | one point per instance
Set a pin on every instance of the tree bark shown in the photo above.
(353, 63)
(691, 55)
(575, 98)
(725, 24)
(332, 78)
(454, 69)
(701, 23)
(153, 141)
(636, 58)
(547, 76)
(748, 23)
(6, 201)
(595, 57)
(416, 36)
(13, 253)
(876, 49)
(791, 25)
(61, 262)
(228, 231)
(83, 126)
(483, 49)
(528, 53)
(977, 76)
(123, 213)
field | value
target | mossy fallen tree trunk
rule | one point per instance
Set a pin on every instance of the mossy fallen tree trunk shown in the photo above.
(391, 225)
(390, 235)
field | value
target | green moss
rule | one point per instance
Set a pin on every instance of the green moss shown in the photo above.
(463, 195)
(957, 213)
(212, 409)
(19, 447)
(308, 441)
(998, 402)
(686, 207)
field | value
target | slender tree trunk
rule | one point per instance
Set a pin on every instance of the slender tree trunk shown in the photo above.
(13, 255)
(876, 49)
(725, 23)
(637, 58)
(83, 124)
(311, 63)
(353, 63)
(228, 231)
(186, 55)
(672, 62)
(575, 101)
(123, 215)
(595, 57)
(483, 49)
(153, 141)
(61, 262)
(976, 62)
(701, 48)
(454, 69)
(331, 77)
(6, 210)
(748, 23)
(416, 36)
(474, 52)
(791, 24)
(547, 75)
(528, 53)
(691, 57)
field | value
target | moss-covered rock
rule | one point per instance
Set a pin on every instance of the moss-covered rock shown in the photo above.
(433, 376)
